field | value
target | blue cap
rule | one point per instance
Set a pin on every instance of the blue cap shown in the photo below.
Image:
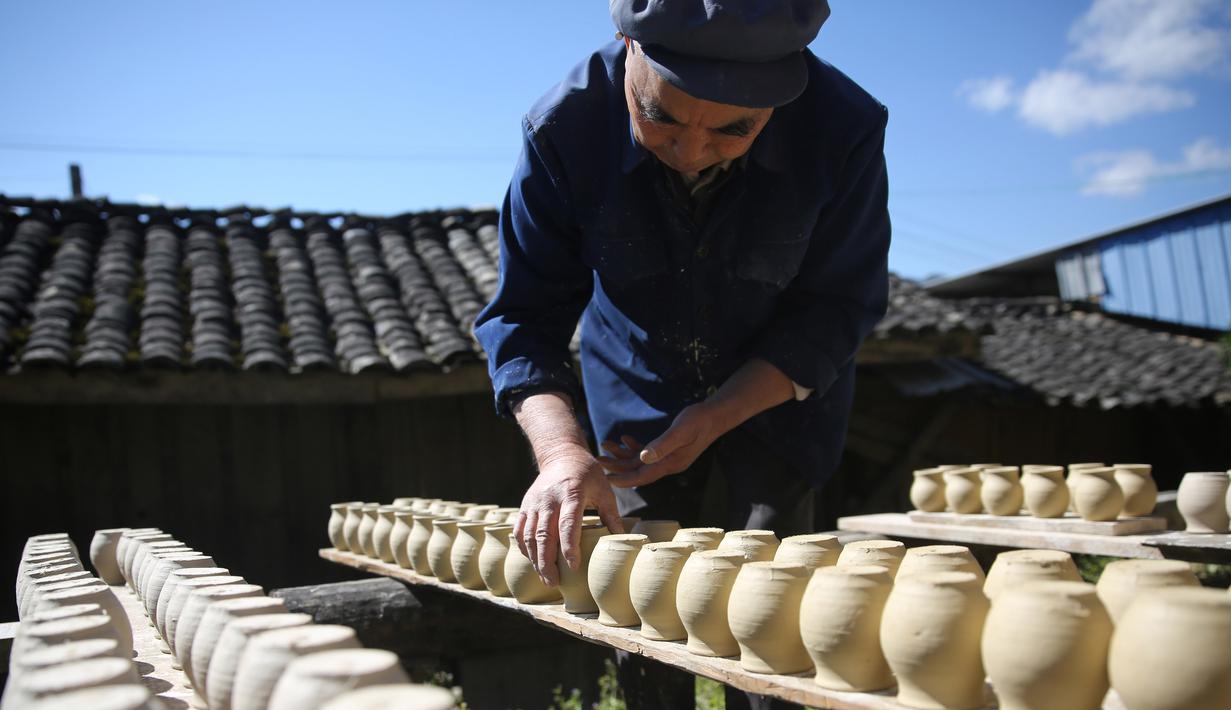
(740, 52)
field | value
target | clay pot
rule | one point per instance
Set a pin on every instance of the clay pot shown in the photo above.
(611, 565)
(162, 572)
(31, 621)
(102, 554)
(657, 530)
(574, 586)
(1074, 478)
(403, 519)
(927, 490)
(1170, 650)
(763, 612)
(438, 507)
(491, 559)
(135, 543)
(701, 597)
(700, 538)
(1202, 502)
(35, 596)
(1046, 494)
(523, 582)
(962, 491)
(757, 545)
(1012, 569)
(1099, 497)
(478, 513)
(34, 588)
(939, 558)
(195, 608)
(179, 598)
(125, 696)
(839, 622)
(629, 522)
(882, 553)
(930, 635)
(464, 553)
(1000, 490)
(81, 627)
(73, 676)
(812, 550)
(63, 653)
(213, 622)
(1123, 581)
(121, 547)
(101, 595)
(381, 532)
(367, 525)
(440, 548)
(416, 544)
(267, 655)
(350, 527)
(224, 663)
(457, 510)
(389, 697)
(314, 679)
(498, 516)
(1045, 646)
(143, 548)
(1140, 490)
(337, 522)
(652, 585)
(167, 593)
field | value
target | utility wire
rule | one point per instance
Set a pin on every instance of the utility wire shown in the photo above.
(390, 157)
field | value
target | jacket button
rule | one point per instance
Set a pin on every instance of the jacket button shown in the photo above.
(711, 391)
(702, 251)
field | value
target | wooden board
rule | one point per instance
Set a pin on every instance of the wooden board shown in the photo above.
(154, 666)
(1066, 524)
(794, 688)
(1192, 546)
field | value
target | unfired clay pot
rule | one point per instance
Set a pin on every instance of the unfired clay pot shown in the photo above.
(34, 597)
(350, 527)
(1045, 646)
(101, 595)
(34, 589)
(1202, 501)
(34, 620)
(457, 510)
(167, 593)
(939, 558)
(121, 547)
(700, 538)
(381, 532)
(657, 530)
(812, 550)
(179, 598)
(1170, 650)
(102, 555)
(1046, 494)
(153, 561)
(213, 622)
(393, 697)
(124, 696)
(1140, 490)
(1123, 581)
(962, 490)
(314, 679)
(930, 635)
(610, 566)
(143, 556)
(403, 520)
(224, 663)
(1000, 490)
(839, 622)
(337, 523)
(195, 607)
(1074, 478)
(701, 596)
(927, 490)
(524, 583)
(1013, 568)
(43, 634)
(491, 559)
(757, 545)
(763, 612)
(416, 544)
(69, 677)
(163, 568)
(464, 554)
(135, 543)
(884, 553)
(438, 507)
(478, 513)
(1099, 497)
(498, 516)
(440, 548)
(574, 585)
(367, 524)
(63, 653)
(267, 655)
(652, 585)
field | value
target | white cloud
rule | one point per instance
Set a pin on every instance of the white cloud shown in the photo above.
(991, 95)
(1151, 39)
(148, 199)
(1127, 173)
(1063, 101)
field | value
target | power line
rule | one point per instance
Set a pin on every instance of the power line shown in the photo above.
(391, 157)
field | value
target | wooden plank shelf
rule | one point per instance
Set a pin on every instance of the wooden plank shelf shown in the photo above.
(168, 684)
(1067, 524)
(1167, 544)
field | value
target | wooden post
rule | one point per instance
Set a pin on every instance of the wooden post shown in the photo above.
(74, 176)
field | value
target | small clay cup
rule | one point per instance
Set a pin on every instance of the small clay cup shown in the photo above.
(102, 555)
(927, 490)
(812, 550)
(657, 530)
(1046, 494)
(839, 622)
(1123, 581)
(652, 587)
(1000, 490)
(1016, 567)
(757, 545)
(883, 553)
(611, 565)
(491, 559)
(700, 538)
(701, 597)
(1099, 497)
(1202, 501)
(962, 491)
(1140, 490)
(763, 612)
(939, 558)
(574, 586)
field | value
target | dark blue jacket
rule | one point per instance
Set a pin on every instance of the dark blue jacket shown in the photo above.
(789, 266)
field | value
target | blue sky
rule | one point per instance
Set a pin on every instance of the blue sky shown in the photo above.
(1013, 126)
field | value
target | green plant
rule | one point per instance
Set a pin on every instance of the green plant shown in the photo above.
(711, 695)
(1091, 566)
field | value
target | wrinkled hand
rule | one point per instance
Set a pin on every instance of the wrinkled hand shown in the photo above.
(692, 432)
(551, 511)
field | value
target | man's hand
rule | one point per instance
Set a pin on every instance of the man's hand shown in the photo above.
(551, 511)
(692, 432)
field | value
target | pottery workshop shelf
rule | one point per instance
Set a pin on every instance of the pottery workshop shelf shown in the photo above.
(1062, 535)
(166, 682)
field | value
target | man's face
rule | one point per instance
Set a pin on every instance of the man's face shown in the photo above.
(686, 133)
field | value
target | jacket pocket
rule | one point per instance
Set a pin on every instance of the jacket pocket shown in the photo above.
(624, 261)
(771, 262)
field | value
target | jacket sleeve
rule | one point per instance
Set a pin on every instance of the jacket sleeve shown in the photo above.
(842, 288)
(544, 284)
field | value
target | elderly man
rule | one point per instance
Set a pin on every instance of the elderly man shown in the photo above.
(709, 198)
